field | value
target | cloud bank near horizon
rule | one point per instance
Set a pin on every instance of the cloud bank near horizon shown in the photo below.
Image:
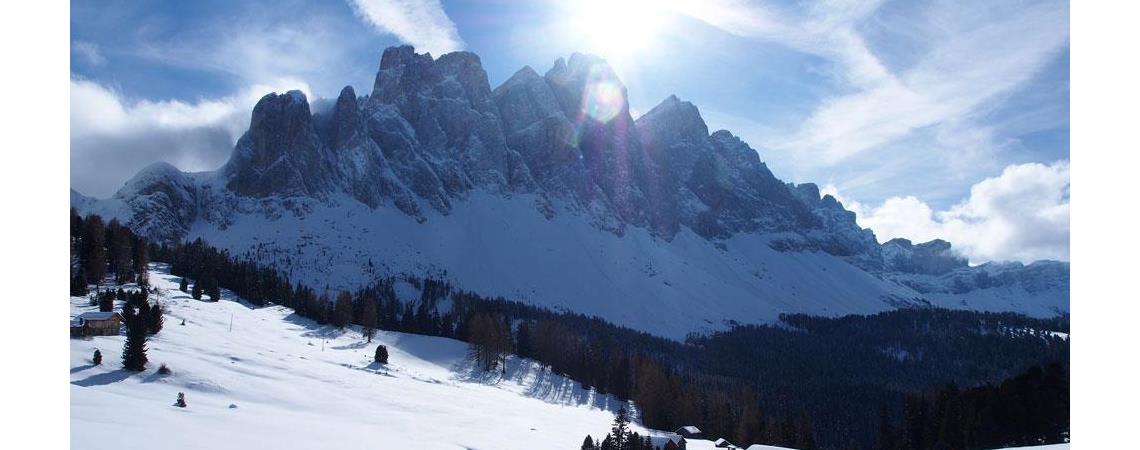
(1020, 215)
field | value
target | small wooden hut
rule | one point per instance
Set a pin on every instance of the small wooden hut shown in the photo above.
(96, 323)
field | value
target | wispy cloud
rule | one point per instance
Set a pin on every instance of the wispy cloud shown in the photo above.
(89, 51)
(1020, 215)
(113, 137)
(421, 23)
(972, 58)
(259, 51)
(955, 78)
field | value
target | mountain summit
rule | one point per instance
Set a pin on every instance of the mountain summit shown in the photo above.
(546, 190)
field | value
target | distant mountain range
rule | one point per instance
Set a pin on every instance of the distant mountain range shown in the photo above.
(546, 190)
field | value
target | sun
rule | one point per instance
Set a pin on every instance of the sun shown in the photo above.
(617, 29)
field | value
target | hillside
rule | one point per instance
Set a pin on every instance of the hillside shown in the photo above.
(296, 385)
(264, 376)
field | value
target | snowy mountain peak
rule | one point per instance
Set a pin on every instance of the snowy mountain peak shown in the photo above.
(435, 170)
(673, 121)
(280, 154)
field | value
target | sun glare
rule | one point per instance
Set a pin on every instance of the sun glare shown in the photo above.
(603, 100)
(617, 29)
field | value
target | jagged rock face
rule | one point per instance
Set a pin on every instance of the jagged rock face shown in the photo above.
(933, 258)
(360, 162)
(433, 130)
(449, 105)
(281, 154)
(718, 183)
(594, 100)
(535, 125)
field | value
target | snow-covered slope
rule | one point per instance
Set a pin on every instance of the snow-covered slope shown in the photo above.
(274, 380)
(546, 190)
(265, 377)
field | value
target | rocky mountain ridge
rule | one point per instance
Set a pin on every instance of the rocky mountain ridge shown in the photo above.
(433, 134)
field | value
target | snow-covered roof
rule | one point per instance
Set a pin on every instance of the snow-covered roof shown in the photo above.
(676, 438)
(96, 315)
(723, 443)
(689, 429)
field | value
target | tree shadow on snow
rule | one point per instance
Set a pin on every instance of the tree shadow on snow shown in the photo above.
(377, 368)
(104, 378)
(314, 330)
(352, 346)
(81, 368)
(537, 381)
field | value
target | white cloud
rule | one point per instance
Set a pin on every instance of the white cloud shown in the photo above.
(957, 76)
(973, 53)
(421, 23)
(1020, 215)
(112, 137)
(89, 52)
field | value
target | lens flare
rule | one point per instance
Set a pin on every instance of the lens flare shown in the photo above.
(603, 100)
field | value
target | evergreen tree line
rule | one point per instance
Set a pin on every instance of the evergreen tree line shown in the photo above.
(808, 383)
(99, 250)
(1029, 409)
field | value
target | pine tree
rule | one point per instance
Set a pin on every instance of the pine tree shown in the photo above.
(155, 319)
(97, 358)
(183, 285)
(620, 430)
(119, 251)
(79, 283)
(588, 444)
(140, 257)
(381, 355)
(94, 253)
(213, 290)
(106, 301)
(196, 292)
(368, 317)
(134, 350)
(342, 310)
(490, 338)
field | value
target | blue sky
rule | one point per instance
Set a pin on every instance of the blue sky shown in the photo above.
(919, 115)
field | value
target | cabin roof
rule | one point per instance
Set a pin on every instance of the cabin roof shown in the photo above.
(689, 429)
(97, 315)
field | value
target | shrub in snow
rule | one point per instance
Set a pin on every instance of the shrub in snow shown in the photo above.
(181, 401)
(381, 354)
(97, 358)
(163, 370)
